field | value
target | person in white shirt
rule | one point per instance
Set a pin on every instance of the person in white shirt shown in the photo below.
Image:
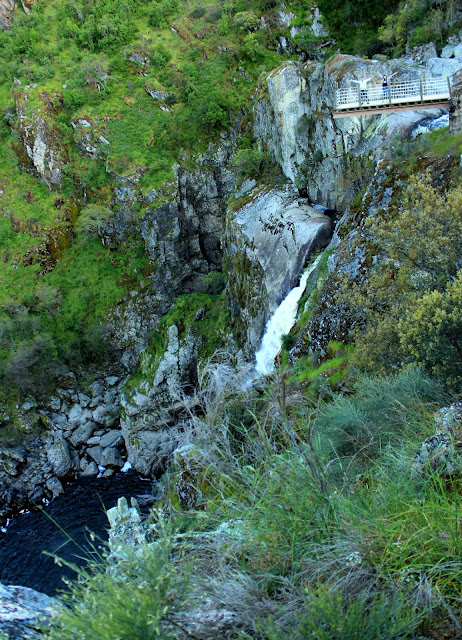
(363, 88)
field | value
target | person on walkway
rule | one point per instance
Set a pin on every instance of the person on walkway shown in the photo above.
(363, 88)
(385, 84)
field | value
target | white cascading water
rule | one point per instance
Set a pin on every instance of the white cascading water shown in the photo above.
(280, 323)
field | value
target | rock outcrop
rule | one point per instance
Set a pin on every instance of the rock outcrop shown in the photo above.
(7, 8)
(150, 409)
(182, 234)
(42, 152)
(332, 159)
(24, 612)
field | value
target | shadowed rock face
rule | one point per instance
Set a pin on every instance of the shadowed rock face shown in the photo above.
(268, 242)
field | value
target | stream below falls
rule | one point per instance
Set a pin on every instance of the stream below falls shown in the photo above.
(63, 528)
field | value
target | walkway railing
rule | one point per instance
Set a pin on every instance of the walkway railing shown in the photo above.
(422, 90)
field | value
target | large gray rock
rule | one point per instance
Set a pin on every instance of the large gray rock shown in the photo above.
(58, 455)
(96, 453)
(82, 433)
(268, 242)
(23, 611)
(443, 67)
(111, 438)
(111, 458)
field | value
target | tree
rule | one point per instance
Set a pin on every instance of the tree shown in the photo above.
(410, 308)
(95, 220)
(431, 331)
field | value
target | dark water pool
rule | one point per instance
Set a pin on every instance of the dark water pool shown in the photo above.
(63, 529)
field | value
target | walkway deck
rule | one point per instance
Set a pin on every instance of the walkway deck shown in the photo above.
(426, 93)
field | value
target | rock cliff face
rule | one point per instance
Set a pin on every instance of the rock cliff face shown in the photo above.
(151, 410)
(333, 159)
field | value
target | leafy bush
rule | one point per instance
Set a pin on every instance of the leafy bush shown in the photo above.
(246, 21)
(288, 340)
(354, 24)
(197, 12)
(250, 162)
(308, 44)
(417, 277)
(214, 15)
(214, 283)
(32, 364)
(416, 22)
(160, 12)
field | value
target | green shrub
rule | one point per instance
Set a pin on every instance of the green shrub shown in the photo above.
(214, 15)
(381, 410)
(197, 12)
(160, 12)
(32, 364)
(416, 22)
(246, 21)
(214, 283)
(288, 340)
(250, 162)
(416, 278)
(95, 220)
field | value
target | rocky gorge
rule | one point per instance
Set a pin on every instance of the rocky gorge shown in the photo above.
(264, 243)
(257, 235)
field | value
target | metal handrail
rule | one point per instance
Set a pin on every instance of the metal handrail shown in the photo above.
(421, 90)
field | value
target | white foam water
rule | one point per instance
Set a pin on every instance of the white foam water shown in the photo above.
(280, 323)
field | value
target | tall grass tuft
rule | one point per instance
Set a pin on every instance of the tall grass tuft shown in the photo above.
(136, 599)
(381, 411)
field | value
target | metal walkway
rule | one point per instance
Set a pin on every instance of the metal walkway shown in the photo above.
(425, 93)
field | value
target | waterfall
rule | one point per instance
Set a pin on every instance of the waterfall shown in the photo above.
(280, 323)
(430, 124)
